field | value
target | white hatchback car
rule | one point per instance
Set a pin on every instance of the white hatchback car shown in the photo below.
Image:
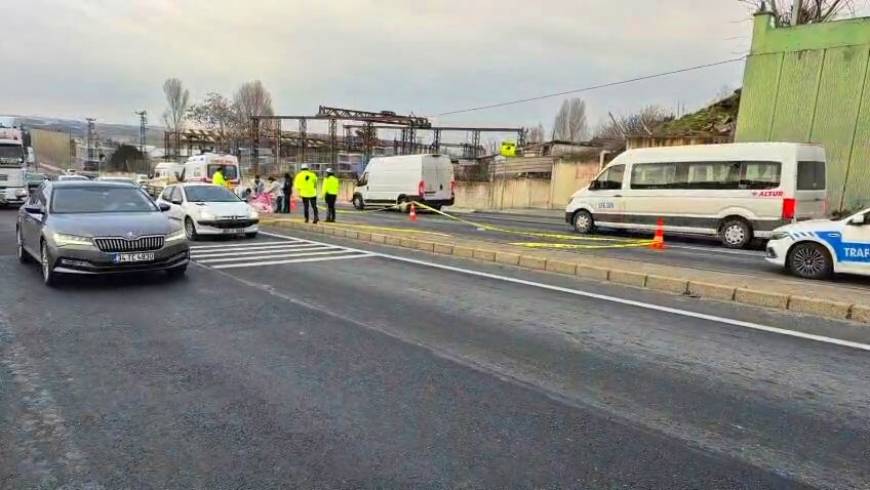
(206, 209)
(816, 249)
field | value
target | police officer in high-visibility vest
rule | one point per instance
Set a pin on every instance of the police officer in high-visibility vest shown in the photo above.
(331, 186)
(306, 185)
(218, 177)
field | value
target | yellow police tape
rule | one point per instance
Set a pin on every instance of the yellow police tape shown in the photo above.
(555, 236)
(575, 246)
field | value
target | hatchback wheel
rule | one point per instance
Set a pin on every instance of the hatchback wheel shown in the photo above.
(190, 229)
(49, 277)
(810, 261)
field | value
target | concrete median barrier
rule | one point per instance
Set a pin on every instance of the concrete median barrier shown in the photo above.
(540, 261)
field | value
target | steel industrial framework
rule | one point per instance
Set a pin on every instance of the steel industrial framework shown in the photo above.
(372, 121)
(435, 147)
(333, 115)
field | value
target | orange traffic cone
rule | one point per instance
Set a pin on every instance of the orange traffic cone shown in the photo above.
(413, 214)
(293, 204)
(658, 242)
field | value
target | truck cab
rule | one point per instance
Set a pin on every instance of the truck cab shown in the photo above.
(13, 167)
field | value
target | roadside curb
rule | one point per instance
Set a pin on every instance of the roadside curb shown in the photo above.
(674, 285)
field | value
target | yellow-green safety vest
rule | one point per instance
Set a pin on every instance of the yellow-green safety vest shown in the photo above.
(305, 183)
(218, 179)
(331, 185)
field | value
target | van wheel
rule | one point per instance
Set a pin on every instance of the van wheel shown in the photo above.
(583, 222)
(810, 261)
(358, 202)
(402, 204)
(735, 233)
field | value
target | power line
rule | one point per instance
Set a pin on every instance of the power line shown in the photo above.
(595, 87)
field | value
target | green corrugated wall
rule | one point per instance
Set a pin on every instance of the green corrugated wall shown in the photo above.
(811, 84)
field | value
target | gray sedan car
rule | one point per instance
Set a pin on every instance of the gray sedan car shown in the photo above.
(87, 227)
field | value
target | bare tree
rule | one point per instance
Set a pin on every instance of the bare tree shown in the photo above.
(570, 122)
(178, 101)
(217, 113)
(252, 99)
(811, 11)
(644, 122)
(536, 134)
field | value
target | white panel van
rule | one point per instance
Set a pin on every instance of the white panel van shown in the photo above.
(737, 191)
(400, 179)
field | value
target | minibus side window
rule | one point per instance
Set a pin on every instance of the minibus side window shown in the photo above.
(760, 175)
(654, 176)
(711, 175)
(811, 176)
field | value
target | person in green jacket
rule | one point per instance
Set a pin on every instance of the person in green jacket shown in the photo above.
(331, 186)
(306, 185)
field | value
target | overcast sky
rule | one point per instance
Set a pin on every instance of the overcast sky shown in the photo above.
(108, 58)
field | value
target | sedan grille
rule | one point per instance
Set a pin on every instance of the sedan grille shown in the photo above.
(141, 244)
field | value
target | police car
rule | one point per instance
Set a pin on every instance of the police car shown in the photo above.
(816, 249)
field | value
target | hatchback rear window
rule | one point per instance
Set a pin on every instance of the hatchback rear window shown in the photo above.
(811, 176)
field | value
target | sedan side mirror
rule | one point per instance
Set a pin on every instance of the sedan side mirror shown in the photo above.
(164, 207)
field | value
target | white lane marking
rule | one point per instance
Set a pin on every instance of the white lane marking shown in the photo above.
(242, 244)
(718, 250)
(275, 256)
(612, 299)
(234, 249)
(289, 248)
(293, 261)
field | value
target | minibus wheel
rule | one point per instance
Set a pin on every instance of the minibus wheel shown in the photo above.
(735, 233)
(583, 222)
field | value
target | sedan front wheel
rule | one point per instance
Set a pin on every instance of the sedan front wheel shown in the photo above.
(49, 277)
(810, 261)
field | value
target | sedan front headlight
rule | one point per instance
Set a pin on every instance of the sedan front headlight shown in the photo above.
(779, 235)
(63, 240)
(176, 236)
(253, 214)
(206, 216)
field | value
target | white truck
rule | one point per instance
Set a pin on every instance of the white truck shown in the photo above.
(13, 165)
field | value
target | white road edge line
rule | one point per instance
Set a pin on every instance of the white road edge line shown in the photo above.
(292, 248)
(242, 244)
(612, 299)
(274, 256)
(292, 261)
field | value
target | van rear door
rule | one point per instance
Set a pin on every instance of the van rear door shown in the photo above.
(438, 178)
(810, 190)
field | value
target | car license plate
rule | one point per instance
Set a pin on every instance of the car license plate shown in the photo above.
(233, 231)
(134, 257)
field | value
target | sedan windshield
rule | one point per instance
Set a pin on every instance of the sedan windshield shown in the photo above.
(93, 199)
(208, 193)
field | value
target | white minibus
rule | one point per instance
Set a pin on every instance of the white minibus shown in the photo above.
(736, 191)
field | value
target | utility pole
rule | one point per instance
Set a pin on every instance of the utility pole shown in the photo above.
(89, 152)
(143, 121)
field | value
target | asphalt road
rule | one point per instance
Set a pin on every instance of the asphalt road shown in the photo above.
(288, 363)
(682, 251)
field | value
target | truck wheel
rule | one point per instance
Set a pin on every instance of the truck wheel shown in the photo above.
(735, 233)
(358, 202)
(810, 261)
(583, 222)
